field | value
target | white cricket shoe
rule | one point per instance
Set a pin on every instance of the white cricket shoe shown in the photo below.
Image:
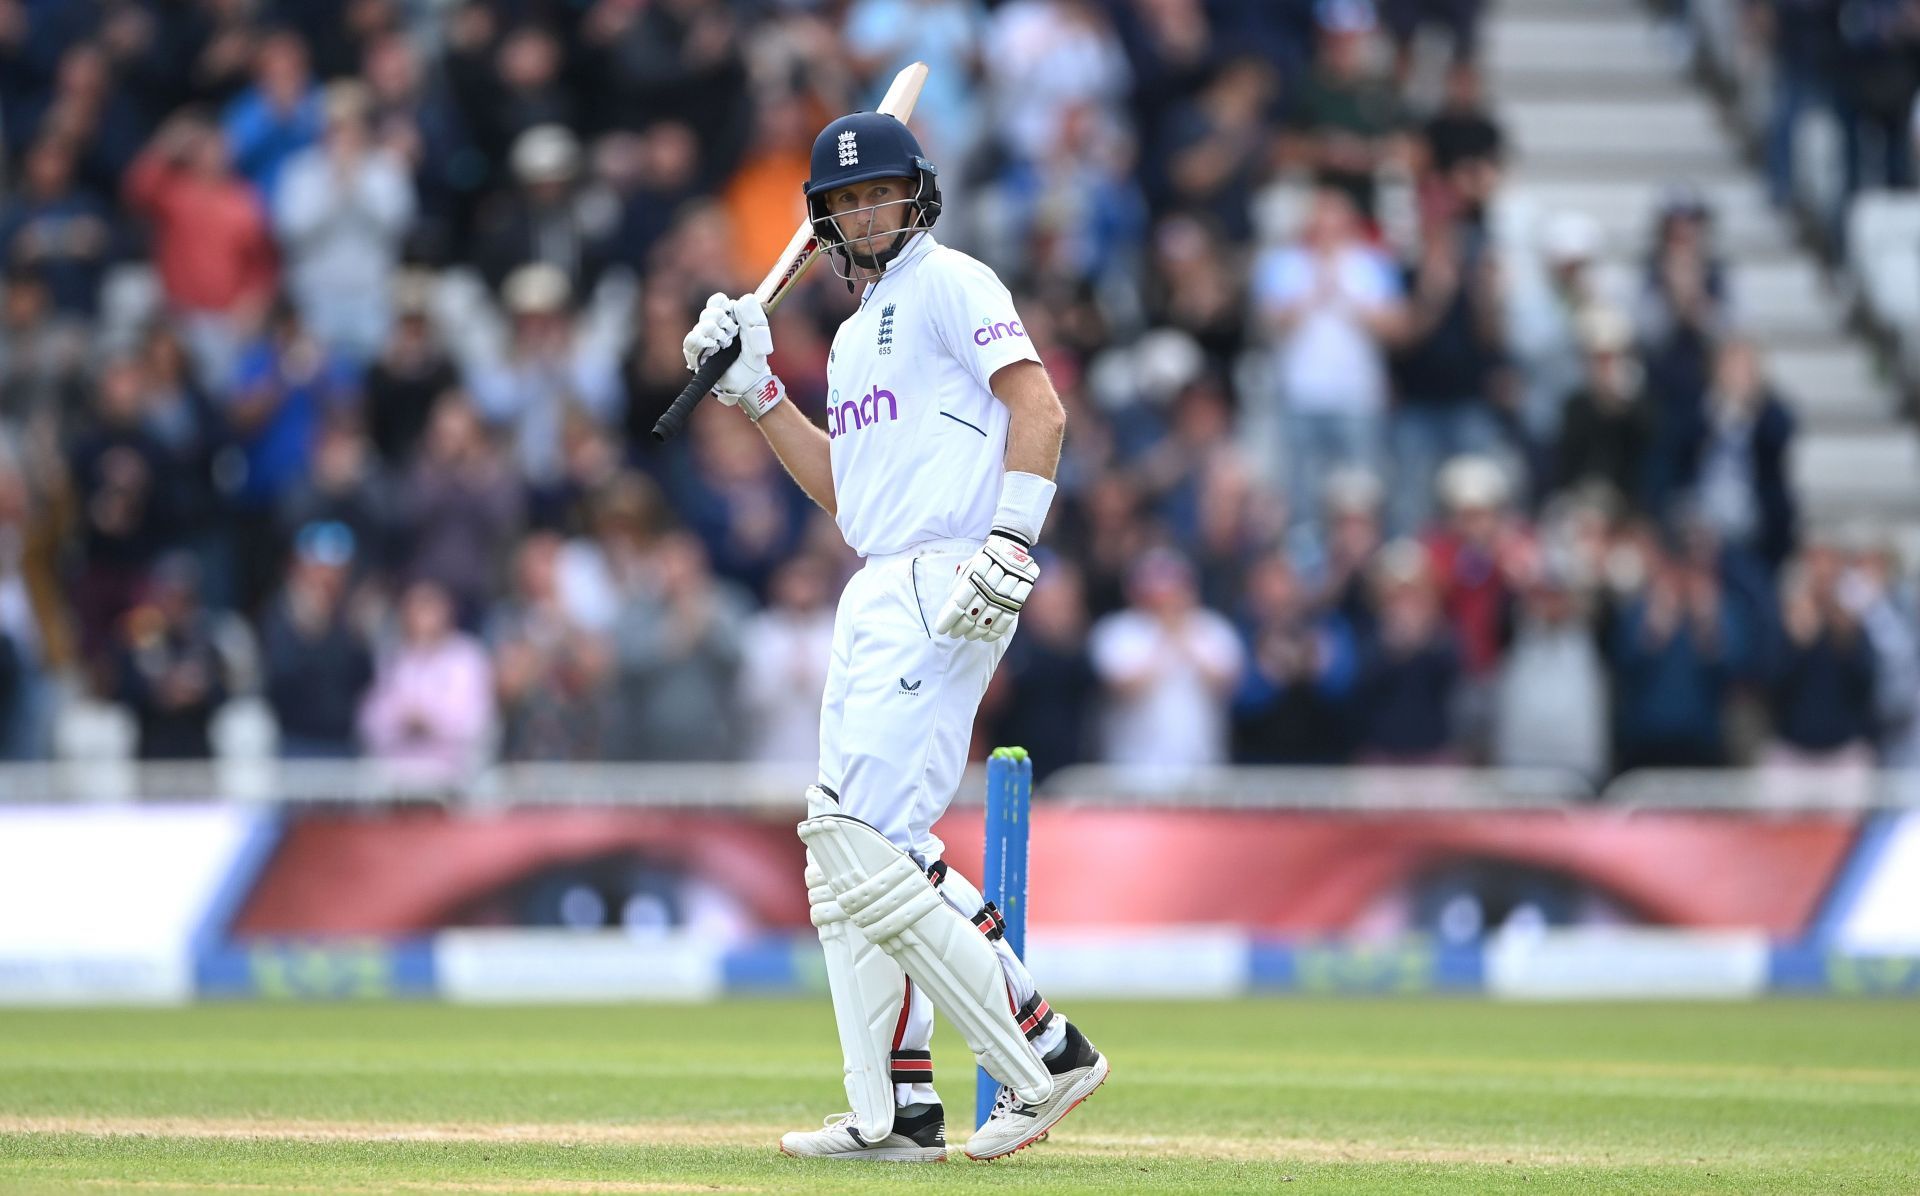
(1077, 1070)
(916, 1138)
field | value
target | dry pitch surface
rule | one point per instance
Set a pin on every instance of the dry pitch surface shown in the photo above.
(1405, 1096)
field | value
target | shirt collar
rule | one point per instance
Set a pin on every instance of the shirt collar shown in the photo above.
(921, 245)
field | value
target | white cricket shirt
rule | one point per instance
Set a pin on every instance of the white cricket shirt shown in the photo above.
(919, 440)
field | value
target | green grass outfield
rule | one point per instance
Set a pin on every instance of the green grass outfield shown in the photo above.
(1295, 1096)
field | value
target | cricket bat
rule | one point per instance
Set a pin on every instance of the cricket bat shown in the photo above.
(794, 262)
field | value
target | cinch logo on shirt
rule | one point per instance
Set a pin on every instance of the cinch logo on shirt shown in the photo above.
(851, 416)
(988, 332)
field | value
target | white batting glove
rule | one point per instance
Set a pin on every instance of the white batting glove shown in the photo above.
(993, 586)
(748, 384)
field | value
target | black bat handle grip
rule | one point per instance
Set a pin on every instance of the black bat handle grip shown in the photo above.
(675, 416)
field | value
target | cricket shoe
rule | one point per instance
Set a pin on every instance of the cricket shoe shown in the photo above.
(1077, 1069)
(919, 1137)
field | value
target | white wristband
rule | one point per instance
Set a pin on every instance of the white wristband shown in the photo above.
(1024, 499)
(763, 396)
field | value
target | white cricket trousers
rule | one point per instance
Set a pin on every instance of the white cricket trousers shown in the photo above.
(896, 723)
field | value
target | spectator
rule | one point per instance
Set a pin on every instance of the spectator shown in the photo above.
(1674, 650)
(343, 487)
(1821, 695)
(460, 504)
(1804, 36)
(524, 91)
(12, 688)
(1045, 691)
(550, 671)
(342, 208)
(549, 370)
(1045, 59)
(318, 664)
(1547, 308)
(414, 120)
(1192, 289)
(1869, 592)
(654, 370)
(1456, 20)
(1734, 459)
(1353, 534)
(1683, 310)
(1606, 438)
(675, 60)
(1550, 702)
(43, 357)
(430, 710)
(177, 411)
(269, 123)
(655, 173)
(763, 198)
(1409, 670)
(548, 220)
(408, 377)
(1108, 536)
(1451, 397)
(678, 653)
(91, 112)
(284, 387)
(210, 243)
(123, 485)
(1220, 148)
(884, 36)
(732, 493)
(26, 694)
(1331, 304)
(169, 669)
(1462, 130)
(1291, 707)
(783, 664)
(1346, 117)
(1169, 666)
(1877, 85)
(1476, 555)
(57, 230)
(1202, 492)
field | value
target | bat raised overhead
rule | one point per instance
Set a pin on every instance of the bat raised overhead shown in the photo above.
(795, 260)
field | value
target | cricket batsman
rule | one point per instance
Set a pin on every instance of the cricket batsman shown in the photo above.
(942, 436)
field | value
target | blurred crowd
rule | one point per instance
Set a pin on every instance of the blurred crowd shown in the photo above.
(1858, 63)
(332, 332)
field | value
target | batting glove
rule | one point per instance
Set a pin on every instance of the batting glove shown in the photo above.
(993, 586)
(748, 384)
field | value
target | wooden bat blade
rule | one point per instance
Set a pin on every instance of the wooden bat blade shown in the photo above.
(904, 92)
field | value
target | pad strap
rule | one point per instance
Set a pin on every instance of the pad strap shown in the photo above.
(990, 922)
(912, 1067)
(988, 919)
(1034, 1016)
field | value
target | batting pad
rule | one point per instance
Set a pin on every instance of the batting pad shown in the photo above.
(890, 899)
(868, 990)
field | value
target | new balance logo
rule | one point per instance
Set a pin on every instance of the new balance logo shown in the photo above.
(849, 149)
(909, 689)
